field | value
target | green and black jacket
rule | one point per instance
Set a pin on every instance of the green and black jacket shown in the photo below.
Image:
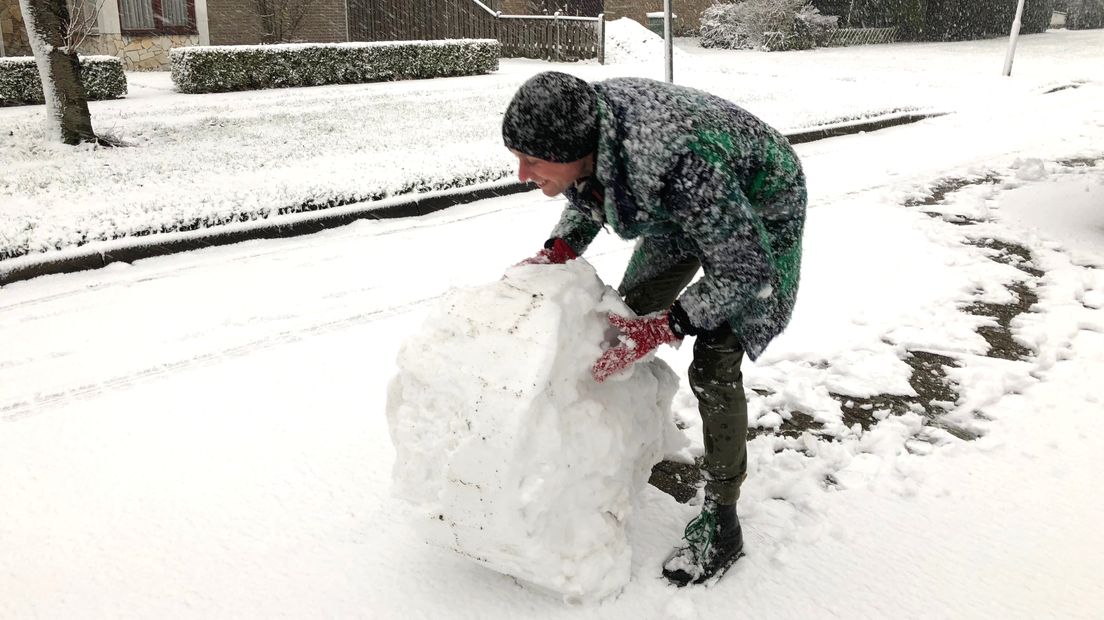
(688, 173)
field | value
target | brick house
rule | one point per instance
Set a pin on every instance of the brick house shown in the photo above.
(236, 22)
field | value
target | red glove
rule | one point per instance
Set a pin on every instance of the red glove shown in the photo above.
(639, 337)
(556, 252)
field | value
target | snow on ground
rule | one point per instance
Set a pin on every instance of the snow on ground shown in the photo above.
(630, 42)
(203, 160)
(203, 435)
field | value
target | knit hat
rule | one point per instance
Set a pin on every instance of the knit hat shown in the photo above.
(554, 117)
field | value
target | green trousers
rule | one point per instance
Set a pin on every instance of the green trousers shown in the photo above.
(715, 378)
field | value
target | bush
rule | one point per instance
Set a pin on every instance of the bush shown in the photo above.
(818, 27)
(765, 24)
(213, 69)
(1085, 14)
(956, 20)
(720, 28)
(943, 20)
(20, 84)
(907, 16)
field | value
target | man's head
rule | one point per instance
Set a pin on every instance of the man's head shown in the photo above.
(551, 125)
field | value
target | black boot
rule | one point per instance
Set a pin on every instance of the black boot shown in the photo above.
(714, 542)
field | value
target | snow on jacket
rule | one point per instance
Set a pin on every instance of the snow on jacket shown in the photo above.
(689, 173)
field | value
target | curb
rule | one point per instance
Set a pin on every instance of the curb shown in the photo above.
(130, 250)
(847, 129)
(137, 248)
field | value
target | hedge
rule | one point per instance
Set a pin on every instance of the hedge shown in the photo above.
(1085, 14)
(941, 20)
(20, 84)
(955, 20)
(224, 68)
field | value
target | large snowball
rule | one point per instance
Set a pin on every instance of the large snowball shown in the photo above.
(509, 451)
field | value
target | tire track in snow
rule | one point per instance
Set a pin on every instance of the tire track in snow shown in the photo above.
(21, 409)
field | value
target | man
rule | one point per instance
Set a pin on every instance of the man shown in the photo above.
(700, 183)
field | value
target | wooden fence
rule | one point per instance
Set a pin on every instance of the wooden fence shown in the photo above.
(549, 37)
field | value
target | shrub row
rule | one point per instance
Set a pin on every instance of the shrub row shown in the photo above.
(941, 20)
(20, 84)
(956, 20)
(1082, 14)
(212, 69)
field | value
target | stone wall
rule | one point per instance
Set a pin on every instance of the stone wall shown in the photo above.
(13, 30)
(235, 22)
(138, 53)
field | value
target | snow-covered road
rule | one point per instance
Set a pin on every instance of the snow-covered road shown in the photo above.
(202, 435)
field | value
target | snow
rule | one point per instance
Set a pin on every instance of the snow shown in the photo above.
(217, 159)
(628, 41)
(205, 434)
(1072, 210)
(509, 451)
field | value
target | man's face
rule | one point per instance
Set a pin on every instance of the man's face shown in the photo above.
(552, 177)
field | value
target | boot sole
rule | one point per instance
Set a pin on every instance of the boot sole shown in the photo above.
(720, 572)
(682, 579)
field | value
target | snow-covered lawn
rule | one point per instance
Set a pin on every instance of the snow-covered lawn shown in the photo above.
(203, 160)
(203, 435)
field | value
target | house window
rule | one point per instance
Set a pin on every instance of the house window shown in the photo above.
(84, 16)
(157, 16)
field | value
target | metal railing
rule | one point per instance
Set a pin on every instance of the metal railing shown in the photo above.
(862, 36)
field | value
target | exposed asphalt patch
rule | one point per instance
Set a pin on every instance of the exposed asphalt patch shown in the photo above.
(1057, 89)
(1081, 162)
(999, 336)
(935, 392)
(937, 193)
(679, 480)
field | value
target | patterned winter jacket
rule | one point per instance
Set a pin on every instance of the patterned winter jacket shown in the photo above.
(688, 173)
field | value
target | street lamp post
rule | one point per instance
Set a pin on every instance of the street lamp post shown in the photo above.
(668, 43)
(1012, 38)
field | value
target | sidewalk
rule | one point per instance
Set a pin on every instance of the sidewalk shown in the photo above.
(210, 160)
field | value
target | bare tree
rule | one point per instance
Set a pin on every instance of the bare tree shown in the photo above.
(84, 17)
(49, 29)
(280, 19)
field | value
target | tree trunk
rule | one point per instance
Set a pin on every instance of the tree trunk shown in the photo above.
(67, 116)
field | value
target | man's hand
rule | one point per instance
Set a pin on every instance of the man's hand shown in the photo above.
(639, 337)
(555, 252)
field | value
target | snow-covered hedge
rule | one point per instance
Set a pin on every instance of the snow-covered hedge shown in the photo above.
(770, 25)
(1085, 14)
(943, 20)
(212, 69)
(103, 78)
(958, 20)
